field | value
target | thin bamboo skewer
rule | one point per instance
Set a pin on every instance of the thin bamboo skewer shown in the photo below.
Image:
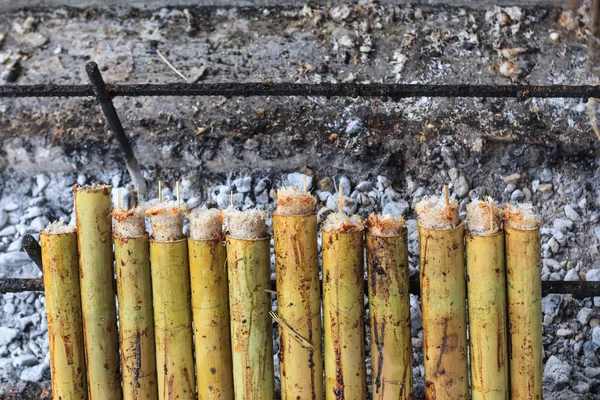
(248, 264)
(343, 307)
(389, 307)
(298, 295)
(63, 310)
(92, 209)
(523, 264)
(486, 290)
(443, 299)
(134, 294)
(171, 302)
(210, 305)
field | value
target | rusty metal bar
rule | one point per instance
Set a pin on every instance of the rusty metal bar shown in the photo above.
(578, 290)
(391, 91)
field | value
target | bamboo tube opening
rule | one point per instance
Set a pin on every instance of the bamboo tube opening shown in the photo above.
(58, 227)
(167, 221)
(342, 223)
(206, 224)
(248, 225)
(483, 218)
(290, 201)
(129, 223)
(386, 225)
(437, 212)
(521, 216)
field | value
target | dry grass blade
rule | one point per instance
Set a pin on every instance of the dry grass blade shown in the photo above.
(305, 343)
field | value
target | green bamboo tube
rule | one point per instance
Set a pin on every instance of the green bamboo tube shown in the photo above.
(298, 295)
(93, 209)
(486, 293)
(343, 308)
(172, 319)
(389, 308)
(248, 264)
(134, 294)
(63, 311)
(210, 307)
(443, 300)
(522, 236)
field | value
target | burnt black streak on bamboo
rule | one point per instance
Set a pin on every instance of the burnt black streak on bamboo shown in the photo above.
(247, 89)
(579, 290)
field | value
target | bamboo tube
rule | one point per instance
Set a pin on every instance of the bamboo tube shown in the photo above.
(522, 235)
(443, 299)
(210, 305)
(171, 302)
(63, 309)
(96, 275)
(298, 295)
(248, 264)
(343, 307)
(486, 290)
(134, 294)
(389, 307)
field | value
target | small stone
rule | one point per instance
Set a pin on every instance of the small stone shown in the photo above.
(511, 187)
(593, 275)
(41, 182)
(223, 200)
(594, 322)
(596, 301)
(7, 335)
(551, 304)
(571, 213)
(556, 373)
(9, 308)
(364, 186)
(592, 372)
(38, 223)
(597, 232)
(33, 374)
(243, 185)
(8, 231)
(513, 178)
(576, 190)
(589, 350)
(553, 244)
(355, 126)
(344, 182)
(11, 207)
(395, 209)
(582, 387)
(562, 332)
(261, 185)
(546, 175)
(551, 263)
(31, 213)
(326, 185)
(14, 259)
(461, 187)
(554, 36)
(517, 195)
(24, 360)
(3, 218)
(382, 182)
(563, 225)
(322, 214)
(571, 275)
(584, 315)
(545, 188)
(416, 343)
(596, 335)
(555, 276)
(194, 202)
(297, 179)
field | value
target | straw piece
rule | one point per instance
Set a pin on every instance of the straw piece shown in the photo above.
(342, 223)
(248, 224)
(129, 223)
(290, 201)
(58, 227)
(434, 213)
(206, 223)
(385, 225)
(167, 221)
(478, 218)
(521, 216)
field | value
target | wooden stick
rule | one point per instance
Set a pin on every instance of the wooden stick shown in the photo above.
(446, 195)
(340, 200)
(119, 205)
(160, 191)
(178, 194)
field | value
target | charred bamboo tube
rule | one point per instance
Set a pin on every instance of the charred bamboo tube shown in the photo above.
(486, 293)
(389, 308)
(522, 236)
(210, 306)
(443, 299)
(63, 309)
(134, 294)
(248, 266)
(96, 275)
(343, 308)
(298, 295)
(171, 303)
